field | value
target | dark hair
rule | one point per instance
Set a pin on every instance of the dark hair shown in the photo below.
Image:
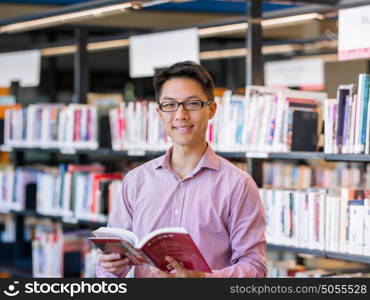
(185, 69)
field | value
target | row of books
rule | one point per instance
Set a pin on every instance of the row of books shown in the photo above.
(347, 119)
(319, 219)
(265, 120)
(287, 175)
(52, 126)
(50, 249)
(282, 120)
(74, 192)
(47, 250)
(136, 126)
(287, 120)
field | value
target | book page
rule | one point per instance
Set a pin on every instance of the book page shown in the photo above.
(121, 233)
(160, 231)
(116, 245)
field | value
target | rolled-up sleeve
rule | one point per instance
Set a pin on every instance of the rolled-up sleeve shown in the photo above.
(120, 216)
(247, 234)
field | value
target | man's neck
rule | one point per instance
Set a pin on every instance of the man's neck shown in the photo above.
(185, 159)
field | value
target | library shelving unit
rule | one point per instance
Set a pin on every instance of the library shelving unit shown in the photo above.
(18, 261)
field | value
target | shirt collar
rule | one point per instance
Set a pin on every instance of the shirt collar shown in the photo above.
(209, 160)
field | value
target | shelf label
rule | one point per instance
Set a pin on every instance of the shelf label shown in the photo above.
(68, 151)
(166, 48)
(138, 152)
(354, 33)
(71, 220)
(5, 148)
(307, 74)
(22, 66)
(256, 154)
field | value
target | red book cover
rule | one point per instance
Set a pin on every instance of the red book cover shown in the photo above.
(96, 179)
(85, 168)
(76, 129)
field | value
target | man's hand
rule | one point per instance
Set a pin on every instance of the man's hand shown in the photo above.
(113, 263)
(180, 271)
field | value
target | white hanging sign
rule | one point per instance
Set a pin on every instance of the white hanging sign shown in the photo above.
(307, 74)
(149, 52)
(21, 66)
(354, 33)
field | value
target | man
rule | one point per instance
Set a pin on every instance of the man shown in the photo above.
(190, 186)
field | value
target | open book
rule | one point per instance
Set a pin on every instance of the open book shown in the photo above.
(153, 248)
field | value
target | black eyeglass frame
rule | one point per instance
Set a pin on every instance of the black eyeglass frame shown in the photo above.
(203, 103)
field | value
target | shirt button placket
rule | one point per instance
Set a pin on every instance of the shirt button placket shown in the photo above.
(179, 203)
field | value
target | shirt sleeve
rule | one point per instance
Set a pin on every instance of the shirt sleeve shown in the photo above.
(247, 234)
(120, 217)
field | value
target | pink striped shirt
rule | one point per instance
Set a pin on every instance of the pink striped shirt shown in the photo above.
(217, 203)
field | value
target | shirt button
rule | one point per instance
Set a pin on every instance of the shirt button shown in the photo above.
(176, 212)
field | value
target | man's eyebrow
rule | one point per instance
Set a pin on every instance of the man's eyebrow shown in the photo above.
(187, 98)
(193, 97)
(168, 98)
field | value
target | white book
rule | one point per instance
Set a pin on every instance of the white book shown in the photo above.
(44, 127)
(114, 130)
(329, 125)
(67, 210)
(84, 125)
(356, 226)
(353, 124)
(358, 126)
(265, 113)
(322, 221)
(367, 227)
(30, 125)
(70, 125)
(343, 223)
(336, 224)
(328, 223)
(296, 219)
(311, 220)
(7, 126)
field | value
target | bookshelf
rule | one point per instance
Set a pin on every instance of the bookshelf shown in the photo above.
(320, 253)
(110, 154)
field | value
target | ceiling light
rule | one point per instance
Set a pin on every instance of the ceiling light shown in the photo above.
(292, 20)
(241, 27)
(217, 30)
(228, 53)
(108, 45)
(61, 50)
(93, 46)
(65, 18)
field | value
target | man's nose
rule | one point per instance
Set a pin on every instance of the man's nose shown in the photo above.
(181, 113)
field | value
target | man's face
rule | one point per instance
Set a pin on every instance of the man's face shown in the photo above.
(186, 128)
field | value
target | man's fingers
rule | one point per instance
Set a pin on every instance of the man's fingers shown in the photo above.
(159, 273)
(116, 263)
(174, 263)
(109, 257)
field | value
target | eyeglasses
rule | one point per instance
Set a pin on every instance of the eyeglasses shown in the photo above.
(189, 105)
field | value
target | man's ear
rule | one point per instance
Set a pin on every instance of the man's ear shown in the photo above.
(213, 109)
(159, 112)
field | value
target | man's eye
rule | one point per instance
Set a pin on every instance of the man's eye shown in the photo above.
(168, 105)
(193, 103)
